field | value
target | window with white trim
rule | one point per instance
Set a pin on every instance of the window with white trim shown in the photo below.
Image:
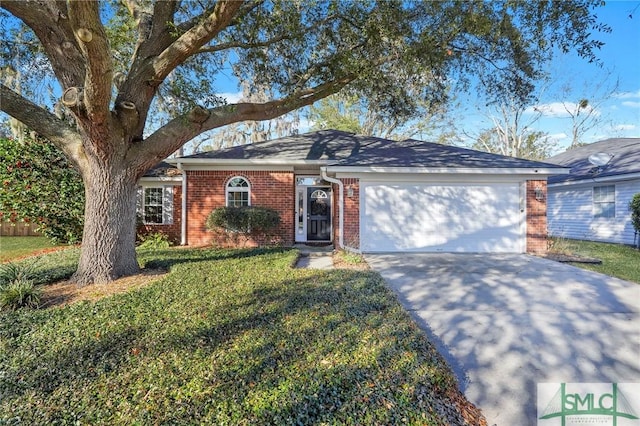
(604, 201)
(155, 205)
(238, 192)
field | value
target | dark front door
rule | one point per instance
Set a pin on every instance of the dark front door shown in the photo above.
(318, 214)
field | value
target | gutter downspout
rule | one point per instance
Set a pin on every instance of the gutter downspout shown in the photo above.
(183, 212)
(323, 173)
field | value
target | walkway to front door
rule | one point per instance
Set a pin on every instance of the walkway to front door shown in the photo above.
(313, 210)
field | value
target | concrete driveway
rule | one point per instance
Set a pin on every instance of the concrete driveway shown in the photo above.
(508, 322)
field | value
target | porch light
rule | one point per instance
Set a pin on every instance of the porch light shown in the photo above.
(350, 191)
(539, 193)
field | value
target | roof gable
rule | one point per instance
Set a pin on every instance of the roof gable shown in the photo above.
(625, 159)
(337, 148)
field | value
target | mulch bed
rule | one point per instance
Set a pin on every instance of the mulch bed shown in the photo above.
(64, 293)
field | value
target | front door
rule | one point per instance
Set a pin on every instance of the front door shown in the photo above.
(313, 209)
(318, 214)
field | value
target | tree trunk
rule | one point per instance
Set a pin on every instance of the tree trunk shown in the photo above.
(108, 243)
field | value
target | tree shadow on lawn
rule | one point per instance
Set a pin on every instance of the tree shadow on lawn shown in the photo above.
(332, 346)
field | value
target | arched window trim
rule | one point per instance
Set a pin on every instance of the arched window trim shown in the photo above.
(239, 198)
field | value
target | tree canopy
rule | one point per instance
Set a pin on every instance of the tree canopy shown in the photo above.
(132, 81)
(351, 113)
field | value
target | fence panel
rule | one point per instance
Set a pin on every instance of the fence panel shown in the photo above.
(17, 229)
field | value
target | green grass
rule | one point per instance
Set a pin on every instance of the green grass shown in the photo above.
(14, 247)
(228, 337)
(617, 260)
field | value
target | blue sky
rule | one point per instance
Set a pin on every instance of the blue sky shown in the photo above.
(620, 58)
(612, 88)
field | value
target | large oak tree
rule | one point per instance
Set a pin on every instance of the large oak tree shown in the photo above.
(119, 65)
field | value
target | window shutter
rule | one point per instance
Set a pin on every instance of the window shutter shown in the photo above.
(167, 205)
(139, 204)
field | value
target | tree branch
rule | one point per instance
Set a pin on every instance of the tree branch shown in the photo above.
(180, 130)
(243, 45)
(49, 20)
(93, 42)
(48, 125)
(153, 33)
(190, 42)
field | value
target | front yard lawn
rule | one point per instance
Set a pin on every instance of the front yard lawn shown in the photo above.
(14, 247)
(617, 260)
(227, 337)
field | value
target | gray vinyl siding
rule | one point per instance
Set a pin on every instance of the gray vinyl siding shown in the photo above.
(570, 213)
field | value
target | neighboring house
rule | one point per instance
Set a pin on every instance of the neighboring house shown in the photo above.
(159, 201)
(361, 193)
(592, 202)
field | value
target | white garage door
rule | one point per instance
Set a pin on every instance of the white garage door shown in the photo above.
(474, 218)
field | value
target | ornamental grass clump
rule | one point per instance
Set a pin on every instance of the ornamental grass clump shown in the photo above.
(20, 294)
(17, 289)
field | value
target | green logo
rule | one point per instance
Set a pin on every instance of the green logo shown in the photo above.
(594, 403)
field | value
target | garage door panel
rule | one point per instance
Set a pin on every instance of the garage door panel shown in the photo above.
(455, 218)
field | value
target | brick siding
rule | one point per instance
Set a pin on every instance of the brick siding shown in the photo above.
(206, 192)
(276, 190)
(351, 232)
(536, 217)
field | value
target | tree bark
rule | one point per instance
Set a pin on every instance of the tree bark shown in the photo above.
(108, 243)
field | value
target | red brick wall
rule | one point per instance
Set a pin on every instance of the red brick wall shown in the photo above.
(206, 192)
(173, 230)
(351, 213)
(536, 217)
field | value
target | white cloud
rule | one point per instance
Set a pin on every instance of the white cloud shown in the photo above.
(627, 95)
(631, 104)
(558, 136)
(231, 97)
(560, 109)
(625, 127)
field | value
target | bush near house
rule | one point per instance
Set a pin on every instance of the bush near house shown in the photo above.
(246, 222)
(240, 339)
(634, 207)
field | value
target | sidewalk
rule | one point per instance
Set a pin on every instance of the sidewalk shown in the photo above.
(312, 257)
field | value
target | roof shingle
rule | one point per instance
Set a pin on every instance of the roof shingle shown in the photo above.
(339, 148)
(625, 159)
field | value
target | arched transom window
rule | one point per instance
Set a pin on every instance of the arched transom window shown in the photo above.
(238, 192)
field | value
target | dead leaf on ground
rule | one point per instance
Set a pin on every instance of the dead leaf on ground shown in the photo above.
(64, 293)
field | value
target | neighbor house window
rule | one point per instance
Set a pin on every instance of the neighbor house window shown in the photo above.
(238, 192)
(155, 205)
(604, 201)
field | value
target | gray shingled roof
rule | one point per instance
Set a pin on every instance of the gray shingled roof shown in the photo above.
(625, 160)
(346, 149)
(163, 169)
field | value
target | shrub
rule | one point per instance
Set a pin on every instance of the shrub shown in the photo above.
(35, 176)
(154, 241)
(21, 293)
(245, 220)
